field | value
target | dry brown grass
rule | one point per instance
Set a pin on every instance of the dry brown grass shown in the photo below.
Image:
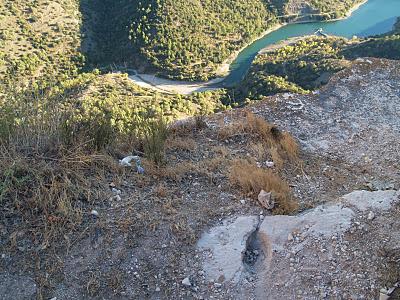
(161, 190)
(251, 180)
(290, 146)
(188, 126)
(51, 194)
(228, 131)
(181, 143)
(222, 151)
(276, 157)
(267, 138)
(178, 171)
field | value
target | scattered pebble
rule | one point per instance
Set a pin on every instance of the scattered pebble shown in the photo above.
(371, 216)
(186, 282)
(116, 191)
(270, 164)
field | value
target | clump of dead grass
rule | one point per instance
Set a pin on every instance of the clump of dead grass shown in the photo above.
(161, 190)
(251, 180)
(267, 138)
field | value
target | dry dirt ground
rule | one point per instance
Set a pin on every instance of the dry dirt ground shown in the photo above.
(142, 243)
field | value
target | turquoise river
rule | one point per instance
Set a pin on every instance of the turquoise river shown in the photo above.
(372, 18)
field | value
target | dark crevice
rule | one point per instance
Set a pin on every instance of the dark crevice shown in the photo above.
(253, 252)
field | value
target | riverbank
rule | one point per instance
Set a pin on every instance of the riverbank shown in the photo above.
(223, 70)
(170, 86)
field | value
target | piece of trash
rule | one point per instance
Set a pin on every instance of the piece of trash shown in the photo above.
(140, 169)
(266, 200)
(126, 162)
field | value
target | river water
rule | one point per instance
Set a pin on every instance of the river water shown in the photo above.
(373, 17)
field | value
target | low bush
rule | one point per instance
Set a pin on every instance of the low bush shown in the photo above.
(155, 134)
(252, 179)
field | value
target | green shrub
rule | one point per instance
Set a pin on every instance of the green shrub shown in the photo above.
(154, 138)
(7, 123)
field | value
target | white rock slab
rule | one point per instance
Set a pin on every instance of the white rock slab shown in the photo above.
(224, 246)
(377, 200)
(320, 221)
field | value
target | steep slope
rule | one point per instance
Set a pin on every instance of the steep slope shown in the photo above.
(39, 39)
(188, 39)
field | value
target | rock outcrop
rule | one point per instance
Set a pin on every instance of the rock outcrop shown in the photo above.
(305, 250)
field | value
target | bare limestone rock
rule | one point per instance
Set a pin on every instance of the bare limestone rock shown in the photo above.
(377, 200)
(323, 220)
(294, 248)
(224, 246)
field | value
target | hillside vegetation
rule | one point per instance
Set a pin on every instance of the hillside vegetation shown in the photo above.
(323, 8)
(48, 50)
(39, 39)
(189, 39)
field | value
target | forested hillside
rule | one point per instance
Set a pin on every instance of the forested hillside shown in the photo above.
(189, 39)
(67, 117)
(39, 39)
(48, 50)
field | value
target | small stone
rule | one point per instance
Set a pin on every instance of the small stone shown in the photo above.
(157, 289)
(290, 237)
(371, 216)
(94, 213)
(243, 201)
(186, 282)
